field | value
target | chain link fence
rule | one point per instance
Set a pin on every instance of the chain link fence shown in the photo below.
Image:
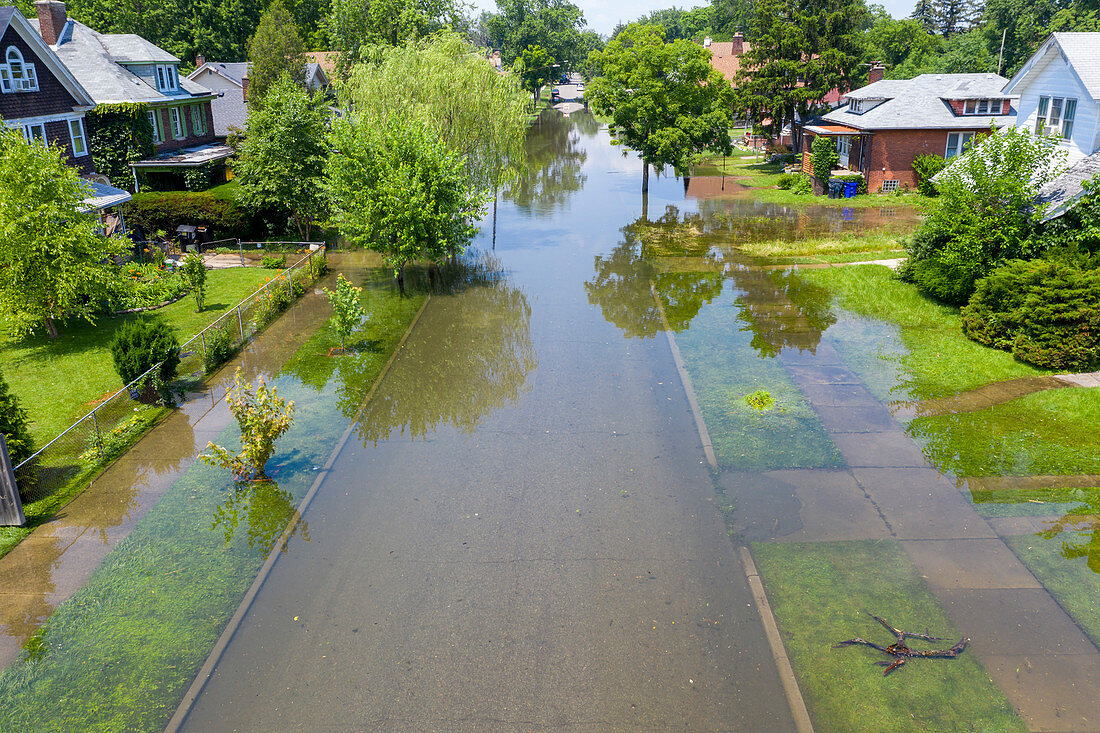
(113, 425)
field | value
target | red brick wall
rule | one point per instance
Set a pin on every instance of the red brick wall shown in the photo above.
(893, 152)
(170, 143)
(51, 98)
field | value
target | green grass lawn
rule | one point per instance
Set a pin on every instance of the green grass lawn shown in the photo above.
(939, 360)
(119, 654)
(59, 380)
(821, 593)
(846, 247)
(226, 191)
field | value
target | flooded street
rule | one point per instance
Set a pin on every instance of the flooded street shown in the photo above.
(593, 454)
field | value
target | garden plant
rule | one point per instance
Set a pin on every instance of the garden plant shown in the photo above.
(263, 417)
(347, 310)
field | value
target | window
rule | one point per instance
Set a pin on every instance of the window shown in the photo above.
(167, 79)
(891, 185)
(1041, 116)
(843, 145)
(983, 106)
(198, 120)
(971, 107)
(154, 120)
(1067, 118)
(1054, 116)
(177, 123)
(957, 143)
(76, 135)
(15, 74)
(34, 132)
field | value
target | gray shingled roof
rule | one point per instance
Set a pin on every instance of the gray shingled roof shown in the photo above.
(89, 56)
(127, 48)
(920, 103)
(1083, 52)
(5, 17)
(1062, 193)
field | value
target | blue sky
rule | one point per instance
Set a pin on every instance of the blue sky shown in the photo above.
(602, 15)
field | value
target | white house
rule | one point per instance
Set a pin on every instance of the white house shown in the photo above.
(1059, 91)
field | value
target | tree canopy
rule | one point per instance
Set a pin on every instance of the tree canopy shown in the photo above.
(665, 99)
(274, 51)
(353, 25)
(54, 263)
(554, 25)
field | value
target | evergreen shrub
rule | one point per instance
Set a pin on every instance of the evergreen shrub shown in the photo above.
(139, 345)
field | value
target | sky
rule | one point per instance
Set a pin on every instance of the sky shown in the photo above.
(603, 15)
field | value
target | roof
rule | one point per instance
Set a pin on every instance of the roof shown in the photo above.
(89, 56)
(28, 31)
(128, 48)
(325, 59)
(1079, 51)
(233, 71)
(1063, 192)
(831, 130)
(187, 157)
(724, 60)
(102, 196)
(921, 103)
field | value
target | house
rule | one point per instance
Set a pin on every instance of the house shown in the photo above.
(42, 98)
(124, 68)
(1059, 91)
(884, 126)
(230, 81)
(725, 56)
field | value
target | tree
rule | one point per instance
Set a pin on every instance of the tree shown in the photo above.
(984, 215)
(347, 311)
(478, 114)
(400, 191)
(824, 156)
(14, 425)
(195, 272)
(925, 14)
(353, 25)
(274, 51)
(263, 416)
(54, 263)
(894, 42)
(535, 68)
(555, 25)
(956, 16)
(665, 99)
(800, 51)
(139, 346)
(284, 154)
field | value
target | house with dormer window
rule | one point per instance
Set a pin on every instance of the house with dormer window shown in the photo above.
(125, 68)
(881, 128)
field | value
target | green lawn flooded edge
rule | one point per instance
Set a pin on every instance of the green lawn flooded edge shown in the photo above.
(121, 652)
(821, 593)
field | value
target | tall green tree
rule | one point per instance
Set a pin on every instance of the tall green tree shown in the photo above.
(801, 49)
(925, 13)
(276, 50)
(535, 67)
(956, 16)
(555, 25)
(54, 263)
(665, 99)
(353, 25)
(397, 189)
(283, 157)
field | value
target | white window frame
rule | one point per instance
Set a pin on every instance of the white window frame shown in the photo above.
(890, 185)
(6, 86)
(1069, 112)
(179, 130)
(24, 81)
(167, 78)
(198, 120)
(76, 133)
(960, 144)
(1041, 110)
(29, 132)
(154, 120)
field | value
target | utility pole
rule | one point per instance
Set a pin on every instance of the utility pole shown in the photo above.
(1001, 58)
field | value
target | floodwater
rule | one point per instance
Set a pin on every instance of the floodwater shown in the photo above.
(544, 514)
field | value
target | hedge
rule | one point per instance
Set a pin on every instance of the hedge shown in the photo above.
(167, 210)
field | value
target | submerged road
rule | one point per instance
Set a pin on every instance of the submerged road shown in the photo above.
(532, 542)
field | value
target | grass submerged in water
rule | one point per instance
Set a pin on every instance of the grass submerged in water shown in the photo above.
(120, 653)
(820, 592)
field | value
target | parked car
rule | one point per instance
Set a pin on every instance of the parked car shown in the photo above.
(564, 79)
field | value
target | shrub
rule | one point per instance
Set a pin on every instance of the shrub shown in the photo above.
(925, 166)
(802, 185)
(849, 177)
(263, 416)
(195, 272)
(13, 424)
(139, 345)
(347, 311)
(1046, 312)
(198, 178)
(824, 157)
(785, 181)
(318, 265)
(154, 210)
(218, 348)
(148, 286)
(272, 262)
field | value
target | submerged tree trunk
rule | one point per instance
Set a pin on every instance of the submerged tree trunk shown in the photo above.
(401, 279)
(495, 191)
(645, 206)
(645, 176)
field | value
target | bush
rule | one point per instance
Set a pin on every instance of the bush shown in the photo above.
(925, 166)
(153, 210)
(139, 345)
(272, 262)
(849, 177)
(824, 157)
(219, 347)
(785, 181)
(263, 416)
(1046, 312)
(198, 178)
(13, 424)
(318, 265)
(195, 273)
(148, 286)
(802, 185)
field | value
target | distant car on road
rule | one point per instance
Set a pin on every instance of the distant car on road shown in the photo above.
(580, 87)
(564, 79)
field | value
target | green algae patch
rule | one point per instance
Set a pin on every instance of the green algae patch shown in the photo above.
(724, 360)
(120, 654)
(939, 360)
(1067, 563)
(821, 593)
(1043, 433)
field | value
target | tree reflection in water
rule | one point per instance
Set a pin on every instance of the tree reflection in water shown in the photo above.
(554, 162)
(263, 507)
(686, 260)
(1084, 519)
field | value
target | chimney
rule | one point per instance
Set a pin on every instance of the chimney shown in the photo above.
(706, 42)
(738, 44)
(199, 60)
(51, 19)
(876, 73)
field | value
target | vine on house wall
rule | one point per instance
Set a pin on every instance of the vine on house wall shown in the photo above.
(118, 135)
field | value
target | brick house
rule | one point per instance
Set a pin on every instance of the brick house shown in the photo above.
(884, 126)
(125, 68)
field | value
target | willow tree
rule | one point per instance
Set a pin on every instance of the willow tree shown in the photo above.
(475, 112)
(54, 263)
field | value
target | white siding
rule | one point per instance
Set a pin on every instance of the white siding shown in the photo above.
(229, 109)
(1052, 77)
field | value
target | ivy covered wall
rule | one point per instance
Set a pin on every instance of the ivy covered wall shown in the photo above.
(119, 134)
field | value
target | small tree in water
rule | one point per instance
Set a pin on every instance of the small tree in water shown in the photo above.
(195, 272)
(263, 416)
(347, 310)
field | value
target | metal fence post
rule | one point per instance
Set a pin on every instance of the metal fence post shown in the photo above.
(240, 251)
(240, 322)
(95, 424)
(202, 334)
(290, 279)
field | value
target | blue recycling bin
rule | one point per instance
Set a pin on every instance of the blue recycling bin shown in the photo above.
(851, 188)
